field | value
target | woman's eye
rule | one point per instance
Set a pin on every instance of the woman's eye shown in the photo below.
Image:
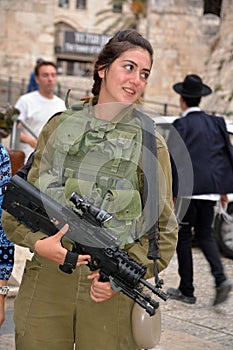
(145, 75)
(129, 67)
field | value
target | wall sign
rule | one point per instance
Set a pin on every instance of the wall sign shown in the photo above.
(84, 43)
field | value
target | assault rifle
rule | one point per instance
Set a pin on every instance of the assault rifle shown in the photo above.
(39, 212)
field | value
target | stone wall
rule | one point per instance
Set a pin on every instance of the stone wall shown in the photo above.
(219, 67)
(27, 32)
(187, 42)
(182, 39)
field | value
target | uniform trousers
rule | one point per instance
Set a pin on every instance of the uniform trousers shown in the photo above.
(199, 216)
(54, 311)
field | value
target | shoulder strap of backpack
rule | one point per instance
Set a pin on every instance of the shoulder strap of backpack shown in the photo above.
(24, 170)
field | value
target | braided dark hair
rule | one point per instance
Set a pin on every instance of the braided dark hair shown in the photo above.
(121, 42)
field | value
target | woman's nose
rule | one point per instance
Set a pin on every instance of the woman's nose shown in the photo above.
(135, 78)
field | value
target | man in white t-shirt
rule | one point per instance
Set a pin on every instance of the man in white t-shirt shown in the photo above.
(38, 106)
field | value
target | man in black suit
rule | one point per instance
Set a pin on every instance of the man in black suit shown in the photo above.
(207, 142)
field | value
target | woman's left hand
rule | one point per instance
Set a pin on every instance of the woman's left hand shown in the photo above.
(100, 291)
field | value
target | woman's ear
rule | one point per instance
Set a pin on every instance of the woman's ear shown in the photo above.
(101, 73)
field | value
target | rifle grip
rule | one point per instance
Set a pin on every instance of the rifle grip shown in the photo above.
(103, 278)
(66, 269)
(70, 262)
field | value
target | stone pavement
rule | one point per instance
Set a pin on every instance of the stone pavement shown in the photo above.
(184, 327)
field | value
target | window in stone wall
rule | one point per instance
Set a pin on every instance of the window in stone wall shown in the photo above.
(117, 8)
(76, 68)
(212, 7)
(63, 3)
(81, 4)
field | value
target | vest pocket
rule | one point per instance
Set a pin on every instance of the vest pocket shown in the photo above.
(123, 204)
(48, 184)
(69, 135)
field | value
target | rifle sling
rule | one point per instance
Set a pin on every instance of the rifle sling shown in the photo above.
(150, 192)
(149, 154)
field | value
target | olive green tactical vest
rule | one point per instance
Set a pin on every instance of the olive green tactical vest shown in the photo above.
(100, 160)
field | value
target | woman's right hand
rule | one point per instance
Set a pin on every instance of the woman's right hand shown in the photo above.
(52, 249)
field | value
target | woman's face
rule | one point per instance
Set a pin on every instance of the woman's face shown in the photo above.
(126, 78)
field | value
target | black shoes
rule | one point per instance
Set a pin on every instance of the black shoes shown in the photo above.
(222, 292)
(176, 294)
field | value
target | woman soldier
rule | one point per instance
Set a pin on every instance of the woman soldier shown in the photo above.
(94, 150)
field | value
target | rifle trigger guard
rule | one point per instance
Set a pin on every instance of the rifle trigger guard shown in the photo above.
(114, 285)
(70, 262)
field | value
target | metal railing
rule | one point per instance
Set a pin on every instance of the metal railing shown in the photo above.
(12, 88)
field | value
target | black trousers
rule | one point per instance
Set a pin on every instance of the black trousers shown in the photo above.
(199, 216)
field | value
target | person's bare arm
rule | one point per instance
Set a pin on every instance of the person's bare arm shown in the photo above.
(2, 303)
(27, 138)
(51, 248)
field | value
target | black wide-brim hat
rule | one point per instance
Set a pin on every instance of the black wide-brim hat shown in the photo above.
(192, 87)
